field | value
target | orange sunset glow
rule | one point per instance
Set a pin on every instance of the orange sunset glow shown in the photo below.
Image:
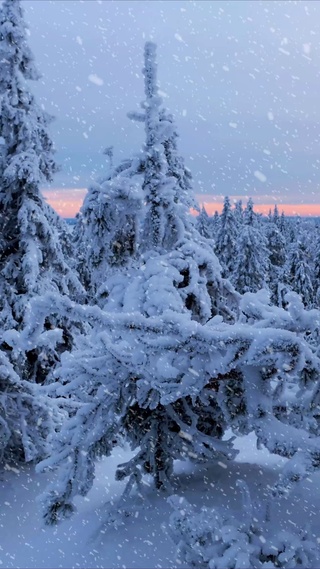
(67, 203)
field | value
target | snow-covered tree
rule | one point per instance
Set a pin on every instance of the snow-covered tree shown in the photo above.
(276, 245)
(315, 237)
(178, 273)
(165, 367)
(32, 261)
(204, 224)
(250, 217)
(163, 226)
(65, 234)
(184, 196)
(238, 212)
(226, 239)
(251, 271)
(275, 216)
(108, 231)
(169, 235)
(27, 417)
(31, 258)
(171, 387)
(277, 255)
(215, 538)
(215, 222)
(297, 274)
(282, 223)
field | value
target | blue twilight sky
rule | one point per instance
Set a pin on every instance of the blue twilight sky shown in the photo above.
(241, 77)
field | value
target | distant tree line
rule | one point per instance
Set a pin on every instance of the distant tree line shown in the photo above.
(277, 253)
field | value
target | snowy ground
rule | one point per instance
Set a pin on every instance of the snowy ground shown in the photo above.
(84, 541)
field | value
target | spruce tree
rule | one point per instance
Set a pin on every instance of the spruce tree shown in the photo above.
(162, 226)
(168, 227)
(226, 239)
(238, 213)
(32, 260)
(178, 277)
(251, 271)
(277, 255)
(297, 274)
(282, 223)
(316, 270)
(171, 387)
(215, 223)
(203, 224)
(168, 377)
(107, 231)
(275, 216)
(31, 257)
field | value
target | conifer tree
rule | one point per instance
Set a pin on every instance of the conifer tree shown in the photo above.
(215, 223)
(107, 231)
(297, 274)
(238, 213)
(178, 278)
(31, 257)
(282, 223)
(184, 197)
(276, 217)
(169, 378)
(27, 417)
(172, 387)
(203, 224)
(168, 227)
(316, 271)
(251, 271)
(226, 239)
(162, 226)
(277, 255)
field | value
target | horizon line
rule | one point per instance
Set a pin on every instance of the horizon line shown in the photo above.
(67, 203)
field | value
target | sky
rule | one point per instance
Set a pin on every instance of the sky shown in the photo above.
(241, 78)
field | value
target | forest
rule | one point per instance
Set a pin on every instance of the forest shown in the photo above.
(156, 331)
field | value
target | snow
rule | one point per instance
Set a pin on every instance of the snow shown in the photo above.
(86, 541)
(95, 79)
(260, 176)
(161, 355)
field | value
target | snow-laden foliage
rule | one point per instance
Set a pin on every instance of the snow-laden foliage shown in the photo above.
(186, 280)
(226, 239)
(216, 539)
(64, 234)
(27, 417)
(165, 184)
(297, 273)
(276, 246)
(238, 213)
(316, 271)
(108, 230)
(169, 233)
(171, 386)
(251, 270)
(166, 366)
(31, 257)
(204, 224)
